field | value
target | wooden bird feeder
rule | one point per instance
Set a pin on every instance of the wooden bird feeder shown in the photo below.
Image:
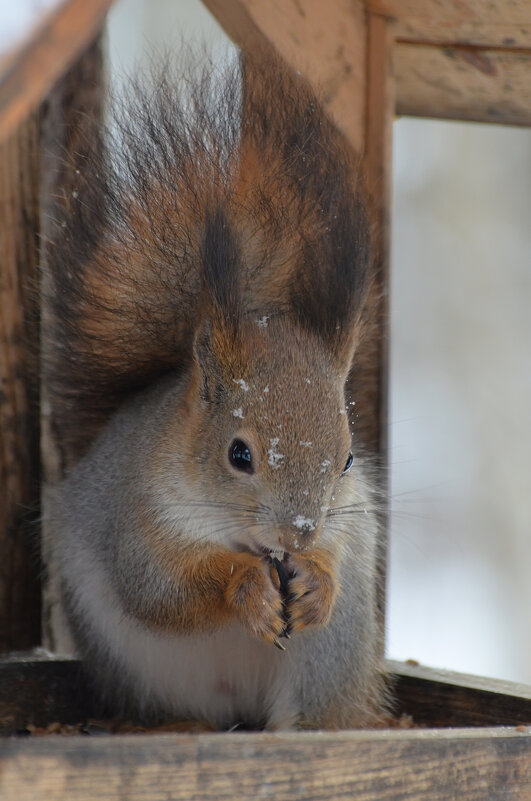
(453, 59)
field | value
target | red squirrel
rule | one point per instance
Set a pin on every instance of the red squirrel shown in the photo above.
(206, 296)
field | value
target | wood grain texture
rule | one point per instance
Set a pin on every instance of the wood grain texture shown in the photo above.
(368, 383)
(481, 764)
(28, 73)
(326, 42)
(19, 437)
(367, 766)
(445, 698)
(39, 690)
(496, 23)
(463, 83)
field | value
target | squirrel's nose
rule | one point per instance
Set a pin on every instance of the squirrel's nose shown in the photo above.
(304, 525)
(299, 533)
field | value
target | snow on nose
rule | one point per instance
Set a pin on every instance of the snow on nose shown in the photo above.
(304, 524)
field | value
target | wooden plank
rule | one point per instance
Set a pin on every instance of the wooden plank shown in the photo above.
(368, 383)
(38, 689)
(19, 434)
(498, 23)
(368, 766)
(16, 30)
(463, 83)
(515, 12)
(444, 698)
(28, 73)
(326, 42)
(71, 111)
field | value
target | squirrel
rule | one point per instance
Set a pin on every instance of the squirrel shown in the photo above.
(206, 298)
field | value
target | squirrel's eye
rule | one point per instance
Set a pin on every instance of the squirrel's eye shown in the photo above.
(240, 456)
(348, 464)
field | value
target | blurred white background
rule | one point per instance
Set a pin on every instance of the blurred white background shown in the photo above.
(459, 593)
(460, 433)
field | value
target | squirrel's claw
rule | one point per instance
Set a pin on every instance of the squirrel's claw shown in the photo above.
(284, 579)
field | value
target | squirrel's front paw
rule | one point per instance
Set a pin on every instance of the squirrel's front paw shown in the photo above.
(254, 599)
(312, 592)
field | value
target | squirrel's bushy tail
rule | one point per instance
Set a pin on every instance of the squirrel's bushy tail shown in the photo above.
(140, 251)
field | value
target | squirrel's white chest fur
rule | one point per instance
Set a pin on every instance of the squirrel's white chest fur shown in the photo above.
(225, 677)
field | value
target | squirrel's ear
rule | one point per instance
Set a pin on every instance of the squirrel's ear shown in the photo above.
(214, 350)
(345, 345)
(209, 369)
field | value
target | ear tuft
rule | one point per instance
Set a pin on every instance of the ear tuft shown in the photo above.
(221, 262)
(318, 210)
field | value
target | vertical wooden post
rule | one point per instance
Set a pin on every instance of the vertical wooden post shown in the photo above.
(377, 161)
(19, 438)
(376, 165)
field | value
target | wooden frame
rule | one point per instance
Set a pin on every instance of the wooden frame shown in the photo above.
(449, 58)
(283, 767)
(55, 41)
(426, 764)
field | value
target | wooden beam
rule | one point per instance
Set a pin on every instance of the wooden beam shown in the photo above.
(498, 23)
(372, 359)
(368, 766)
(39, 690)
(463, 83)
(19, 431)
(326, 42)
(368, 382)
(28, 72)
(445, 698)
